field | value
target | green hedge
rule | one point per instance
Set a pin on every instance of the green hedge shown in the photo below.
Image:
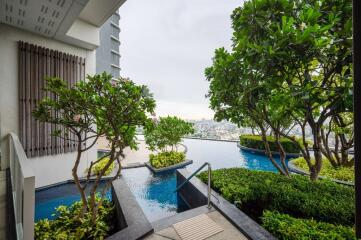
(166, 159)
(285, 227)
(256, 191)
(255, 141)
(341, 173)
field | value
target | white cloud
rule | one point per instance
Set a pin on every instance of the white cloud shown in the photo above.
(167, 44)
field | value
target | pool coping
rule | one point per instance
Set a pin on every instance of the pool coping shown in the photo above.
(170, 168)
(197, 190)
(132, 222)
(263, 152)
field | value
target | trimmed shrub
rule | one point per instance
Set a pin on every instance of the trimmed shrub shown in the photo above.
(340, 173)
(256, 191)
(285, 227)
(255, 141)
(166, 159)
(67, 226)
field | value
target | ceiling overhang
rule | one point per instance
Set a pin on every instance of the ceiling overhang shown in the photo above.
(76, 22)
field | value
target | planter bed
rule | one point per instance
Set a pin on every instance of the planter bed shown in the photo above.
(169, 168)
(263, 152)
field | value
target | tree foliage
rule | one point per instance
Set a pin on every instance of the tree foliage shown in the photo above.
(167, 133)
(98, 107)
(290, 63)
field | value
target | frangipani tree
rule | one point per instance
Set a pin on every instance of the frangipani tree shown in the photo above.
(289, 59)
(166, 133)
(98, 107)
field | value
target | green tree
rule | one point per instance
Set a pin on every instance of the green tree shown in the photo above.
(340, 126)
(290, 63)
(167, 133)
(98, 107)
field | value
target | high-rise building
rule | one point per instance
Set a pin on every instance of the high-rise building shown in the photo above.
(107, 54)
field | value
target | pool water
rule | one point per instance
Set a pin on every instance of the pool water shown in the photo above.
(46, 200)
(155, 192)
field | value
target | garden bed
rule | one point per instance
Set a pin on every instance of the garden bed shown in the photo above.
(263, 152)
(256, 142)
(169, 168)
(255, 192)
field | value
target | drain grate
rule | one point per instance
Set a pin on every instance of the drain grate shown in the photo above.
(197, 228)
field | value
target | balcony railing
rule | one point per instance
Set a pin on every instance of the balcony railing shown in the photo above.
(23, 189)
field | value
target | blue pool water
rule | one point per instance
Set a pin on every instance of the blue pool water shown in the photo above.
(48, 199)
(155, 192)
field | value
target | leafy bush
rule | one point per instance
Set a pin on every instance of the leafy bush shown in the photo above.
(166, 159)
(340, 173)
(256, 191)
(68, 226)
(255, 141)
(286, 227)
(98, 167)
(166, 132)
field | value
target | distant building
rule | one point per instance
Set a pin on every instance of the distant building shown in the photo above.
(107, 54)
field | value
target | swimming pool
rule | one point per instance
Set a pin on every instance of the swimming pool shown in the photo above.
(155, 192)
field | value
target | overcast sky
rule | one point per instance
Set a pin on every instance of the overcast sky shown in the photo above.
(167, 44)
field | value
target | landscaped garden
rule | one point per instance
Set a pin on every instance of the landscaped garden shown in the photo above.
(289, 207)
(78, 109)
(164, 137)
(289, 72)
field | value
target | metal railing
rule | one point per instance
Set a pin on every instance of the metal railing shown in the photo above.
(23, 189)
(209, 181)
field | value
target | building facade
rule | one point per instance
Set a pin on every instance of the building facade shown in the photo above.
(107, 54)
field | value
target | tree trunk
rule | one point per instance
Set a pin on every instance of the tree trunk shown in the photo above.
(317, 153)
(282, 153)
(77, 181)
(268, 152)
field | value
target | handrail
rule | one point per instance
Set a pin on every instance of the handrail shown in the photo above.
(209, 181)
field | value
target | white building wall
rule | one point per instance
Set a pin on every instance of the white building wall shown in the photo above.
(47, 169)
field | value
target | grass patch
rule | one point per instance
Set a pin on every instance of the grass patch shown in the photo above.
(166, 159)
(341, 173)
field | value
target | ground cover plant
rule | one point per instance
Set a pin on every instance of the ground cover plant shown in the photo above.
(340, 173)
(254, 192)
(163, 137)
